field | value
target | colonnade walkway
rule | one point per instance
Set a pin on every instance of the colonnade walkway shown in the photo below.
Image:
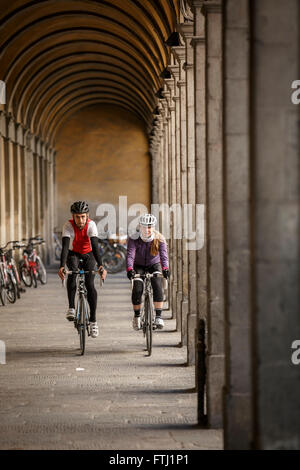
(114, 397)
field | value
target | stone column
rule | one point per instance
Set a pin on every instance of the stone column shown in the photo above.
(10, 180)
(215, 229)
(37, 184)
(161, 157)
(174, 69)
(198, 43)
(165, 114)
(30, 183)
(187, 30)
(275, 148)
(52, 224)
(24, 211)
(180, 55)
(3, 219)
(54, 187)
(172, 194)
(238, 419)
(18, 182)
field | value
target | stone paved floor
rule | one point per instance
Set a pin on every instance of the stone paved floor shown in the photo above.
(121, 400)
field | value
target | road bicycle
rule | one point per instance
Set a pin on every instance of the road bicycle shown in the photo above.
(31, 267)
(82, 313)
(12, 266)
(147, 310)
(113, 258)
(57, 246)
(8, 282)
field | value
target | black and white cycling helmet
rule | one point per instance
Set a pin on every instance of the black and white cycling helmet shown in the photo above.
(80, 207)
(147, 219)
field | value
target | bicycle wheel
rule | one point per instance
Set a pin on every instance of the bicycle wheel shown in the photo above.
(2, 295)
(82, 325)
(34, 278)
(2, 290)
(15, 273)
(41, 272)
(11, 290)
(149, 323)
(57, 252)
(25, 275)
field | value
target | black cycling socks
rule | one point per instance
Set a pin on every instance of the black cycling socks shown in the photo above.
(158, 312)
(137, 313)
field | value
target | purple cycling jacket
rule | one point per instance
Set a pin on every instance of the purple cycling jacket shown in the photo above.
(138, 252)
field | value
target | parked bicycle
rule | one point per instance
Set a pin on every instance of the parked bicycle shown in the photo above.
(8, 282)
(12, 266)
(113, 256)
(147, 310)
(82, 315)
(57, 246)
(31, 266)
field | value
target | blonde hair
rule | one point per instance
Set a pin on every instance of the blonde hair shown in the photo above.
(154, 248)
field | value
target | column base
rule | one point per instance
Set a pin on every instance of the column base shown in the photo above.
(184, 314)
(191, 334)
(215, 379)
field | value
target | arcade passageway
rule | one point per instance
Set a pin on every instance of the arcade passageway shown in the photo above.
(185, 103)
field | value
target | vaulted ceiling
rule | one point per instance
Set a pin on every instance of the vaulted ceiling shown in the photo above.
(57, 56)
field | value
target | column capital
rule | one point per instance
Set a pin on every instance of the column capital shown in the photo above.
(3, 124)
(181, 83)
(195, 4)
(211, 7)
(174, 69)
(186, 30)
(197, 40)
(11, 128)
(179, 52)
(187, 66)
(19, 134)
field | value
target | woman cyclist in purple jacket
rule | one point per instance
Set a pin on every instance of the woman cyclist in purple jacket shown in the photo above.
(148, 253)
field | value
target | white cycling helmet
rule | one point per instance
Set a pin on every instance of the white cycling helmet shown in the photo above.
(147, 219)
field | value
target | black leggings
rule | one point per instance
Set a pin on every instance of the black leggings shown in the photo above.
(89, 264)
(156, 282)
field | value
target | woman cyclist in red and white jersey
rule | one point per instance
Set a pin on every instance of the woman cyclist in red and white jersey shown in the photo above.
(80, 241)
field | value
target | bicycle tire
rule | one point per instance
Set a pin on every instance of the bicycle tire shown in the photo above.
(82, 326)
(111, 263)
(11, 290)
(3, 295)
(34, 279)
(149, 323)
(17, 284)
(42, 273)
(25, 275)
(57, 252)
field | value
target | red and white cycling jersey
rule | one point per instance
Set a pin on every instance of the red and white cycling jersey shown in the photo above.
(80, 239)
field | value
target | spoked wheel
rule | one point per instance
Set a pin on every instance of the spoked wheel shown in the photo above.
(148, 323)
(41, 272)
(82, 325)
(14, 270)
(112, 262)
(25, 275)
(2, 294)
(34, 278)
(11, 289)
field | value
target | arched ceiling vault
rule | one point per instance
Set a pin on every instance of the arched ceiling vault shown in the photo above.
(59, 56)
